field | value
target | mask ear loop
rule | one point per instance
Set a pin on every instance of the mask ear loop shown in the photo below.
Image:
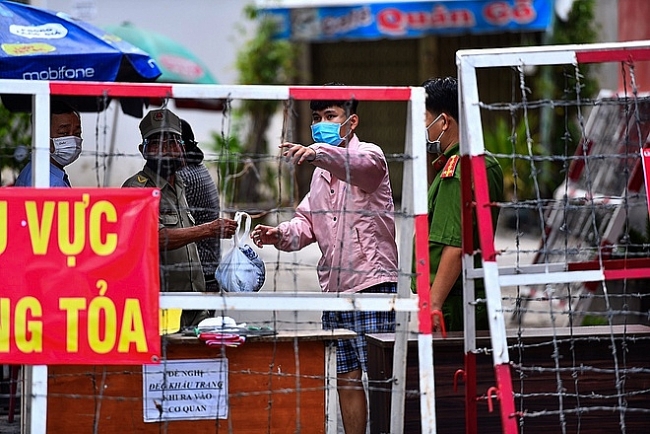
(348, 114)
(433, 147)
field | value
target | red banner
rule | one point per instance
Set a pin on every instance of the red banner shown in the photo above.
(79, 276)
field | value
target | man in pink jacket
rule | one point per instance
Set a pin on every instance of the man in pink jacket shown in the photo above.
(349, 212)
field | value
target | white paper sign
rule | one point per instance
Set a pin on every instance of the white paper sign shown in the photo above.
(185, 390)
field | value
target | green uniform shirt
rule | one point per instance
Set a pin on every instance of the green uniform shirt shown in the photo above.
(180, 269)
(444, 200)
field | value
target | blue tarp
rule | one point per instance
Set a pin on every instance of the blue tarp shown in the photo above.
(37, 44)
(399, 20)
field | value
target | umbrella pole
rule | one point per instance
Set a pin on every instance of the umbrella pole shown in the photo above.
(111, 149)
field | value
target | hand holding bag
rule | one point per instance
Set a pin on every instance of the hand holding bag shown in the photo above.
(240, 269)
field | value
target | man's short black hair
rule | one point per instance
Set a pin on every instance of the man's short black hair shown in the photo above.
(442, 95)
(349, 105)
(59, 107)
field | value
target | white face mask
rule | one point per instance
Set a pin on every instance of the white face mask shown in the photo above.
(66, 149)
(433, 147)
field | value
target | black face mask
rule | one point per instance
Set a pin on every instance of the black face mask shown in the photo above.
(164, 167)
(433, 147)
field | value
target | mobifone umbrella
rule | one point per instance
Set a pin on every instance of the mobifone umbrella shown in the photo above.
(39, 44)
(177, 63)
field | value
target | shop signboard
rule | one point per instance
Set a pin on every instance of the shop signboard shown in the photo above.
(313, 21)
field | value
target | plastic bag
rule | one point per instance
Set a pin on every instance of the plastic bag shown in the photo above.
(240, 269)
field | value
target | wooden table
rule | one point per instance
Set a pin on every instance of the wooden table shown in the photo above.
(591, 347)
(277, 384)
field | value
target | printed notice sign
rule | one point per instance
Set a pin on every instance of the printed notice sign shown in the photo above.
(185, 390)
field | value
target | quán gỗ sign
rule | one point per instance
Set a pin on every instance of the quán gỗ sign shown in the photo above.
(406, 19)
(79, 280)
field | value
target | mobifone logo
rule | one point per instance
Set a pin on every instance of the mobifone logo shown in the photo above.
(60, 73)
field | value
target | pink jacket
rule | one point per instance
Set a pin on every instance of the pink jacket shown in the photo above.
(349, 213)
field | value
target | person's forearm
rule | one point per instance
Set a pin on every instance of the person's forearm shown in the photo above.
(448, 271)
(365, 170)
(170, 239)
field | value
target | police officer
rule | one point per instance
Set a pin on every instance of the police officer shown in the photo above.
(444, 198)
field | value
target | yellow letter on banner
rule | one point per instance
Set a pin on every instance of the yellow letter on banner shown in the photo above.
(73, 247)
(99, 307)
(39, 233)
(29, 333)
(4, 324)
(95, 231)
(72, 306)
(3, 226)
(132, 328)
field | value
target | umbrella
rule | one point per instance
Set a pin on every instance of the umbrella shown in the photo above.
(39, 44)
(177, 63)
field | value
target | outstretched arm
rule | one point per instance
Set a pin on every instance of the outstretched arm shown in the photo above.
(173, 238)
(263, 234)
(364, 167)
(291, 235)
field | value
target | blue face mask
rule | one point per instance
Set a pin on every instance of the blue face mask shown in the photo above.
(327, 132)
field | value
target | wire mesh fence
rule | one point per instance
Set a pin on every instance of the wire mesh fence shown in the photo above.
(572, 292)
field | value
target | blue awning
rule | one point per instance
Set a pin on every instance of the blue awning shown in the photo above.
(355, 20)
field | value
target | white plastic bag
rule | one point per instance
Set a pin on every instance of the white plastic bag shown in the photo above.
(240, 269)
